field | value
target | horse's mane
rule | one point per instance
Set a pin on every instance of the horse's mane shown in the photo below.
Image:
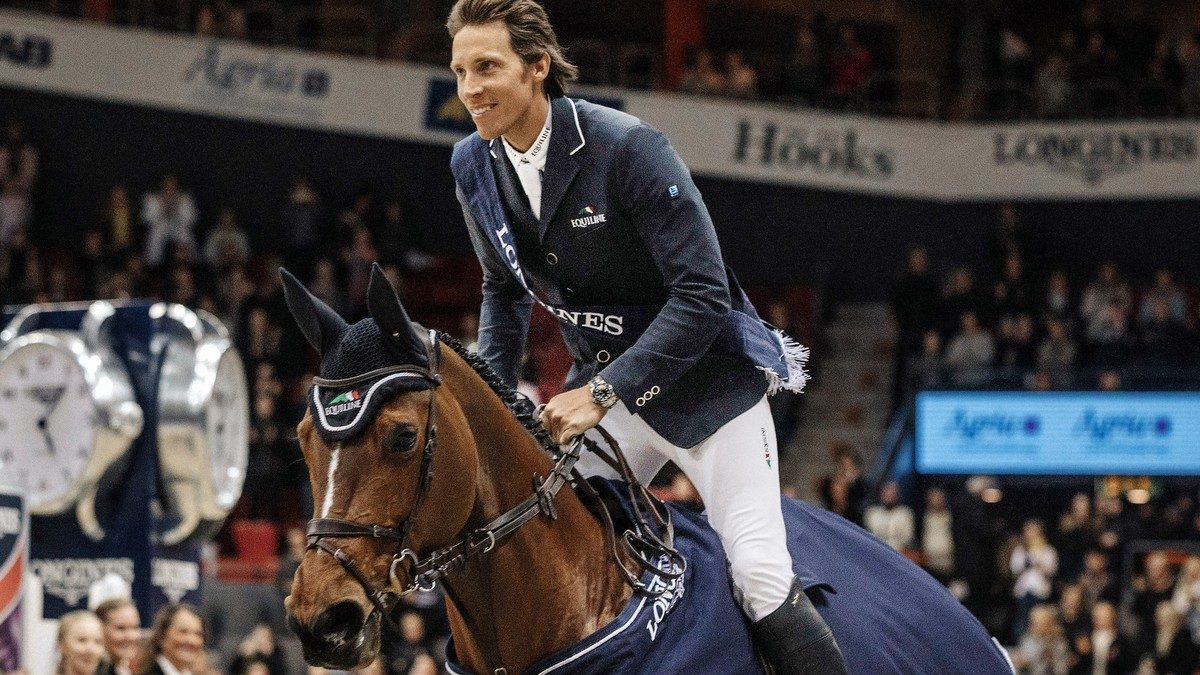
(520, 406)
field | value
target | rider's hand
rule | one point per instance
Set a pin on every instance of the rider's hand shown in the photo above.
(571, 413)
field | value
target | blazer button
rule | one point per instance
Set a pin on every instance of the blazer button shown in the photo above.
(551, 258)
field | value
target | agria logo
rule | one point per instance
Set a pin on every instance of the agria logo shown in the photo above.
(1104, 426)
(973, 426)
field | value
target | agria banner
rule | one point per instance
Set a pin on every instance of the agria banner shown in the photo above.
(1058, 433)
(756, 142)
(14, 557)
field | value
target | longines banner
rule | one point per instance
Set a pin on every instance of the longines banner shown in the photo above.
(754, 142)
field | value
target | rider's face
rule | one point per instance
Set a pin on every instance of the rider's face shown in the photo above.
(496, 85)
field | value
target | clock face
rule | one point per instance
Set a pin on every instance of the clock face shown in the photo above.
(226, 430)
(47, 421)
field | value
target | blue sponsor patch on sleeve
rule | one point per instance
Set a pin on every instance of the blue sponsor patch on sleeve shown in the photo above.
(673, 191)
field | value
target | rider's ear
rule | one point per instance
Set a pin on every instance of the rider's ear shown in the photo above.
(322, 326)
(392, 319)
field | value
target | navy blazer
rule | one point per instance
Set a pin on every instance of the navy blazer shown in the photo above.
(626, 256)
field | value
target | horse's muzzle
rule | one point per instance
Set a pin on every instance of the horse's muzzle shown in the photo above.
(340, 637)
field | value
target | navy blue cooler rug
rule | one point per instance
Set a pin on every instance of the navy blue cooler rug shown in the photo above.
(889, 616)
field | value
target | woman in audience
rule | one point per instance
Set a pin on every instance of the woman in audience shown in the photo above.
(80, 644)
(122, 634)
(1174, 650)
(1043, 651)
(176, 644)
(1034, 562)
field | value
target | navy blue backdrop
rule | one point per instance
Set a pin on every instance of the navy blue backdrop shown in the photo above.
(770, 234)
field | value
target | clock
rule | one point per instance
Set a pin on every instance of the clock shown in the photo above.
(203, 420)
(68, 417)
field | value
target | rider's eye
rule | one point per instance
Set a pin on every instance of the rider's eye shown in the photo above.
(402, 439)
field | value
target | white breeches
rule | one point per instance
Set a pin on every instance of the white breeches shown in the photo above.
(736, 472)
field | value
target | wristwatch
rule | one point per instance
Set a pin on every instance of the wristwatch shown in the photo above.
(602, 392)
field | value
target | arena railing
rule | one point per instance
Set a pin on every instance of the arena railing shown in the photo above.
(901, 93)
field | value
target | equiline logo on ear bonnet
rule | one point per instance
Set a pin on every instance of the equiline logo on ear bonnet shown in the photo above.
(364, 365)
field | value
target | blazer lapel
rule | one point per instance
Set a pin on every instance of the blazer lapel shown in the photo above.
(561, 166)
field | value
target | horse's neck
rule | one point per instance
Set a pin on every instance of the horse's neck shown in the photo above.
(552, 582)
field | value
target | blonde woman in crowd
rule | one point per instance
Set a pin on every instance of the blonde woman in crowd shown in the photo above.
(1034, 563)
(176, 643)
(1043, 650)
(80, 644)
(122, 634)
(1174, 651)
(1186, 597)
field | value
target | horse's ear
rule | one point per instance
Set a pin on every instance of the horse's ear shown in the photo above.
(389, 314)
(322, 326)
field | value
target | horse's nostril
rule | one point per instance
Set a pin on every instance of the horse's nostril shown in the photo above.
(339, 622)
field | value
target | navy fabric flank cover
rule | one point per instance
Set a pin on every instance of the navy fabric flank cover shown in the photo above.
(888, 615)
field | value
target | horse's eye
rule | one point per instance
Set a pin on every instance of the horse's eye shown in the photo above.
(402, 439)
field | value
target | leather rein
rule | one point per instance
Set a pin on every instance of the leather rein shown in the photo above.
(642, 543)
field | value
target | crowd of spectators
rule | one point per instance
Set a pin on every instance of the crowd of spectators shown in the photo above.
(1034, 327)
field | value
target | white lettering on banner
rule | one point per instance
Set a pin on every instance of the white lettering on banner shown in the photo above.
(10, 521)
(736, 140)
(1095, 155)
(820, 151)
(176, 578)
(70, 578)
(668, 594)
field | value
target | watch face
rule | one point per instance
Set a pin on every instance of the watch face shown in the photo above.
(226, 429)
(47, 421)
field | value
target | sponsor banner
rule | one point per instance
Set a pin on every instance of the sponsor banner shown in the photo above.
(726, 139)
(14, 559)
(1058, 433)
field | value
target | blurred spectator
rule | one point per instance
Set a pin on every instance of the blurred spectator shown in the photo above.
(80, 644)
(1009, 237)
(175, 643)
(1096, 581)
(1186, 597)
(1166, 291)
(1187, 53)
(1155, 585)
(700, 74)
(93, 264)
(1056, 354)
(1174, 649)
(1106, 651)
(1034, 563)
(937, 535)
(1106, 291)
(394, 235)
(1076, 535)
(117, 223)
(844, 492)
(741, 80)
(1043, 650)
(301, 220)
(170, 218)
(1015, 56)
(1054, 88)
(926, 370)
(785, 405)
(1018, 291)
(357, 259)
(295, 544)
(325, 285)
(1057, 302)
(1109, 380)
(468, 331)
(1075, 618)
(18, 159)
(227, 245)
(970, 353)
(1018, 352)
(220, 18)
(804, 79)
(1164, 339)
(850, 65)
(260, 341)
(259, 647)
(914, 301)
(1110, 342)
(15, 213)
(122, 634)
(890, 520)
(960, 297)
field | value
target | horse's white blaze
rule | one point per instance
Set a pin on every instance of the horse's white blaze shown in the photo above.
(333, 465)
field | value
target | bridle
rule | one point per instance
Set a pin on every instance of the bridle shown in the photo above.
(425, 573)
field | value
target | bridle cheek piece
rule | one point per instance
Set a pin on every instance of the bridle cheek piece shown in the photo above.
(425, 574)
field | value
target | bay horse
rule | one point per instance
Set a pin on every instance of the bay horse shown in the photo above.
(426, 469)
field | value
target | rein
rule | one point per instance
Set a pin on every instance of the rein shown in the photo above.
(644, 545)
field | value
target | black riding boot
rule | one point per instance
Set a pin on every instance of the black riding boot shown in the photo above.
(796, 640)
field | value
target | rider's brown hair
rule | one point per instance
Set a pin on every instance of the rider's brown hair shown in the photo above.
(529, 31)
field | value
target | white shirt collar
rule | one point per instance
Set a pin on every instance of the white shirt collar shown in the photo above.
(537, 153)
(169, 669)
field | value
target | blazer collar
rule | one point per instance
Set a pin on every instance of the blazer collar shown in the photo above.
(566, 139)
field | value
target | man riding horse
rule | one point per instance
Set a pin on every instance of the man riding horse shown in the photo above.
(591, 212)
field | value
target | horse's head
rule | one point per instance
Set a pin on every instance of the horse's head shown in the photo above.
(392, 466)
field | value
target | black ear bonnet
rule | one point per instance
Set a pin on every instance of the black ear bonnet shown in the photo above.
(362, 365)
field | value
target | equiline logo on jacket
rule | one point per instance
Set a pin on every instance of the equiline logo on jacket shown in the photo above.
(588, 216)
